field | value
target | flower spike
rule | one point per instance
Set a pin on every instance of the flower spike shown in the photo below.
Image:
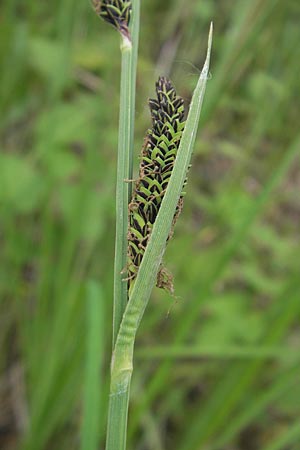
(156, 165)
(116, 12)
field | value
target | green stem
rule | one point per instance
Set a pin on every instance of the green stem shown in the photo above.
(119, 391)
(117, 422)
(122, 366)
(122, 361)
(129, 52)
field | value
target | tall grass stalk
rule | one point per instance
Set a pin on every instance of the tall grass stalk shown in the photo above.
(122, 360)
(129, 51)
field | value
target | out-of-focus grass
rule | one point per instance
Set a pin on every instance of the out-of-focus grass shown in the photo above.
(92, 411)
(235, 253)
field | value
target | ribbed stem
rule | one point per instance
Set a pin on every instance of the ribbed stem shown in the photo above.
(117, 420)
(122, 194)
(129, 52)
(121, 371)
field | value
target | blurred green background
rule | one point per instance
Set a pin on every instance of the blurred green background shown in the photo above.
(217, 367)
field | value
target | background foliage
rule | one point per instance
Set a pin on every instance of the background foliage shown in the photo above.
(217, 367)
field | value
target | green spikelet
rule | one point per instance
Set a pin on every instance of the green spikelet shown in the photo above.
(116, 13)
(157, 161)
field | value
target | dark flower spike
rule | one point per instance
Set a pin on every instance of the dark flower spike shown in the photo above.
(116, 12)
(156, 165)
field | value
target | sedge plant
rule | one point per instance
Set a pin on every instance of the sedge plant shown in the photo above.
(145, 213)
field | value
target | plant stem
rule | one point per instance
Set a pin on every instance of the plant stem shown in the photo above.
(129, 52)
(119, 397)
(117, 420)
(122, 361)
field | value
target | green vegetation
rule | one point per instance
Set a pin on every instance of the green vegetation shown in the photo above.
(217, 366)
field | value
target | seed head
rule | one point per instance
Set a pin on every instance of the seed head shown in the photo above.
(156, 165)
(116, 13)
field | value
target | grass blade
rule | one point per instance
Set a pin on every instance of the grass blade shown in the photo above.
(155, 249)
(94, 355)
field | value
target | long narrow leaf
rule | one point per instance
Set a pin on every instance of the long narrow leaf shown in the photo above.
(157, 243)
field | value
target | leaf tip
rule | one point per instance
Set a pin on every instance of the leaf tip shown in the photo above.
(205, 70)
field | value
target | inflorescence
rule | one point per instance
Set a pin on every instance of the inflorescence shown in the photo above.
(156, 165)
(115, 12)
